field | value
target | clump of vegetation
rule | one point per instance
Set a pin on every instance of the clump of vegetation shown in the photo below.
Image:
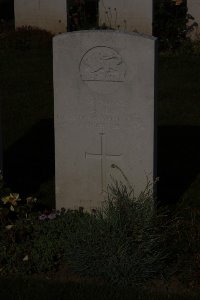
(118, 242)
(13, 208)
(125, 242)
(111, 242)
(172, 24)
(82, 14)
(26, 38)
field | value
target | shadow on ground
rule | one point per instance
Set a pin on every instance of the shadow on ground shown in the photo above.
(178, 163)
(28, 288)
(29, 162)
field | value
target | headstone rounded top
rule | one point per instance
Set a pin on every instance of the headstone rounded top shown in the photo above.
(104, 32)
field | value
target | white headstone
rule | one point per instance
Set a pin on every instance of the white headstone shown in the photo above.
(49, 15)
(130, 15)
(194, 10)
(104, 113)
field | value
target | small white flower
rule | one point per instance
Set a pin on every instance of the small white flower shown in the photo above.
(42, 217)
(25, 258)
(51, 216)
(12, 208)
(8, 227)
(30, 200)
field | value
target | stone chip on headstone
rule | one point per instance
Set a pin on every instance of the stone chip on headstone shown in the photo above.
(104, 114)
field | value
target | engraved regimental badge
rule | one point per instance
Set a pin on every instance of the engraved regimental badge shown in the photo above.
(102, 64)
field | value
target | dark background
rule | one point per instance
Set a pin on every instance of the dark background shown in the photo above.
(7, 9)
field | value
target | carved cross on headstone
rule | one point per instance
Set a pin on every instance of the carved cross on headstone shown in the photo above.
(102, 156)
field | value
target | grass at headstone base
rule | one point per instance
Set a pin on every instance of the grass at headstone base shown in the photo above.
(27, 93)
(126, 244)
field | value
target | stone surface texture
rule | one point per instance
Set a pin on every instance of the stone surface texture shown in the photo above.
(104, 114)
(50, 15)
(130, 15)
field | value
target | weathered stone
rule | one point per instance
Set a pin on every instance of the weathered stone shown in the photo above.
(49, 15)
(104, 114)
